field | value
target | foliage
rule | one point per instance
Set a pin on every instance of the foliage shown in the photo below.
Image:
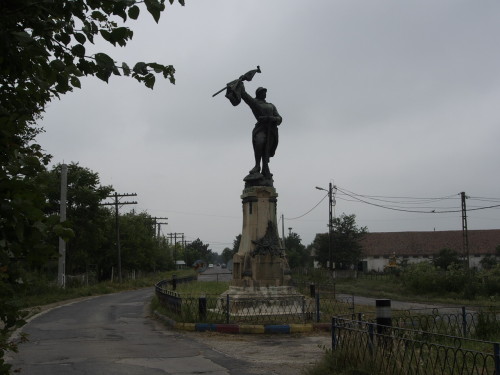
(227, 255)
(445, 258)
(90, 222)
(44, 48)
(198, 250)
(425, 278)
(346, 246)
(140, 249)
(296, 252)
(488, 262)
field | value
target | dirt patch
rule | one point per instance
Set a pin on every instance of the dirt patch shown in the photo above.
(270, 354)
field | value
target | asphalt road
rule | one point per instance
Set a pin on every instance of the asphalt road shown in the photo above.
(112, 334)
(216, 273)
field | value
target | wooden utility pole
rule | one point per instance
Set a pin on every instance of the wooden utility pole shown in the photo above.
(61, 269)
(117, 203)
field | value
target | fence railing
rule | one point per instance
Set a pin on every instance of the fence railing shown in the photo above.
(281, 309)
(394, 350)
(480, 322)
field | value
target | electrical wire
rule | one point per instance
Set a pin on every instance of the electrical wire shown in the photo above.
(298, 217)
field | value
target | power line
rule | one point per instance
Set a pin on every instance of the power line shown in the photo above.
(298, 217)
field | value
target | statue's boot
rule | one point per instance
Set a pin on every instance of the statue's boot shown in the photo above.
(266, 172)
(255, 169)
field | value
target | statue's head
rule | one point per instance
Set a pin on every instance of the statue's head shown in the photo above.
(260, 93)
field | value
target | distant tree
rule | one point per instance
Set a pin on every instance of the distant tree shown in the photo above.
(296, 252)
(198, 250)
(346, 242)
(227, 255)
(140, 249)
(85, 216)
(445, 258)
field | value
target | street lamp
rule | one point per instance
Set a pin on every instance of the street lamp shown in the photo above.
(331, 203)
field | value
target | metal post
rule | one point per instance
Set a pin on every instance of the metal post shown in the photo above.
(227, 308)
(202, 308)
(334, 338)
(312, 290)
(317, 308)
(496, 355)
(370, 337)
(464, 321)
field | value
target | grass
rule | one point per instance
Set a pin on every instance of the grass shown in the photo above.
(43, 293)
(202, 288)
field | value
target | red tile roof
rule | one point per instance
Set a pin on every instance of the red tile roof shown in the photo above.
(481, 242)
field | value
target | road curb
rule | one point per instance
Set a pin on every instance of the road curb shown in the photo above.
(243, 328)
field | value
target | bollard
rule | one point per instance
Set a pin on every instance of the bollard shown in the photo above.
(202, 308)
(384, 314)
(174, 282)
(312, 290)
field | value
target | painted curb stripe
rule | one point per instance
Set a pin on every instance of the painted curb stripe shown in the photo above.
(300, 328)
(249, 328)
(277, 329)
(228, 328)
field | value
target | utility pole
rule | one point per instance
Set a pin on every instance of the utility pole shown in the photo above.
(331, 203)
(157, 225)
(117, 203)
(61, 269)
(174, 236)
(465, 235)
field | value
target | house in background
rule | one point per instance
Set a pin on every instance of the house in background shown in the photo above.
(416, 247)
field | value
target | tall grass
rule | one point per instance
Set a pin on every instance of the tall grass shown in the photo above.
(40, 291)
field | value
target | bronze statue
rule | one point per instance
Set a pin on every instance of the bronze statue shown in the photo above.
(265, 132)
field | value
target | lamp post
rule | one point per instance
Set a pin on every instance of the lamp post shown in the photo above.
(331, 203)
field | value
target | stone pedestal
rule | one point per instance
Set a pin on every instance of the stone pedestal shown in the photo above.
(260, 261)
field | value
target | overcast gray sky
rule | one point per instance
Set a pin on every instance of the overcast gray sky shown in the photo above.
(383, 98)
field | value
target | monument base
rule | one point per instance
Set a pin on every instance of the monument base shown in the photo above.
(266, 303)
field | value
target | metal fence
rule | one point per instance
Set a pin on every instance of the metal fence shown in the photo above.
(394, 350)
(281, 309)
(479, 322)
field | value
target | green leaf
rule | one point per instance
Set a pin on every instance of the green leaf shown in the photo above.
(155, 8)
(104, 60)
(158, 68)
(80, 38)
(140, 68)
(58, 65)
(121, 35)
(78, 50)
(22, 36)
(75, 82)
(133, 12)
(149, 80)
(108, 36)
(182, 2)
(126, 69)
